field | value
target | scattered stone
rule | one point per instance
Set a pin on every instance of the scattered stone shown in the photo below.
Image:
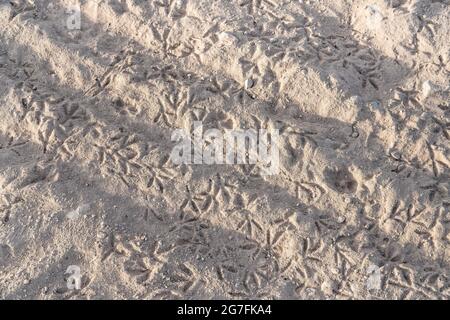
(428, 89)
(248, 84)
(396, 155)
(328, 287)
(310, 291)
(341, 219)
(78, 211)
(375, 104)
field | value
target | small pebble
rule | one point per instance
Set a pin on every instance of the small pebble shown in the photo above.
(428, 89)
(376, 104)
(81, 210)
(341, 219)
(355, 134)
(396, 155)
(310, 291)
(248, 84)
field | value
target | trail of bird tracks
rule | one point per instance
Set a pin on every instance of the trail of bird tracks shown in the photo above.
(91, 205)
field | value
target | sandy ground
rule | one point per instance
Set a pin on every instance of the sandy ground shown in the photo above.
(358, 89)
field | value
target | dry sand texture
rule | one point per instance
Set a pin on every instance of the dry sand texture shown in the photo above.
(358, 89)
